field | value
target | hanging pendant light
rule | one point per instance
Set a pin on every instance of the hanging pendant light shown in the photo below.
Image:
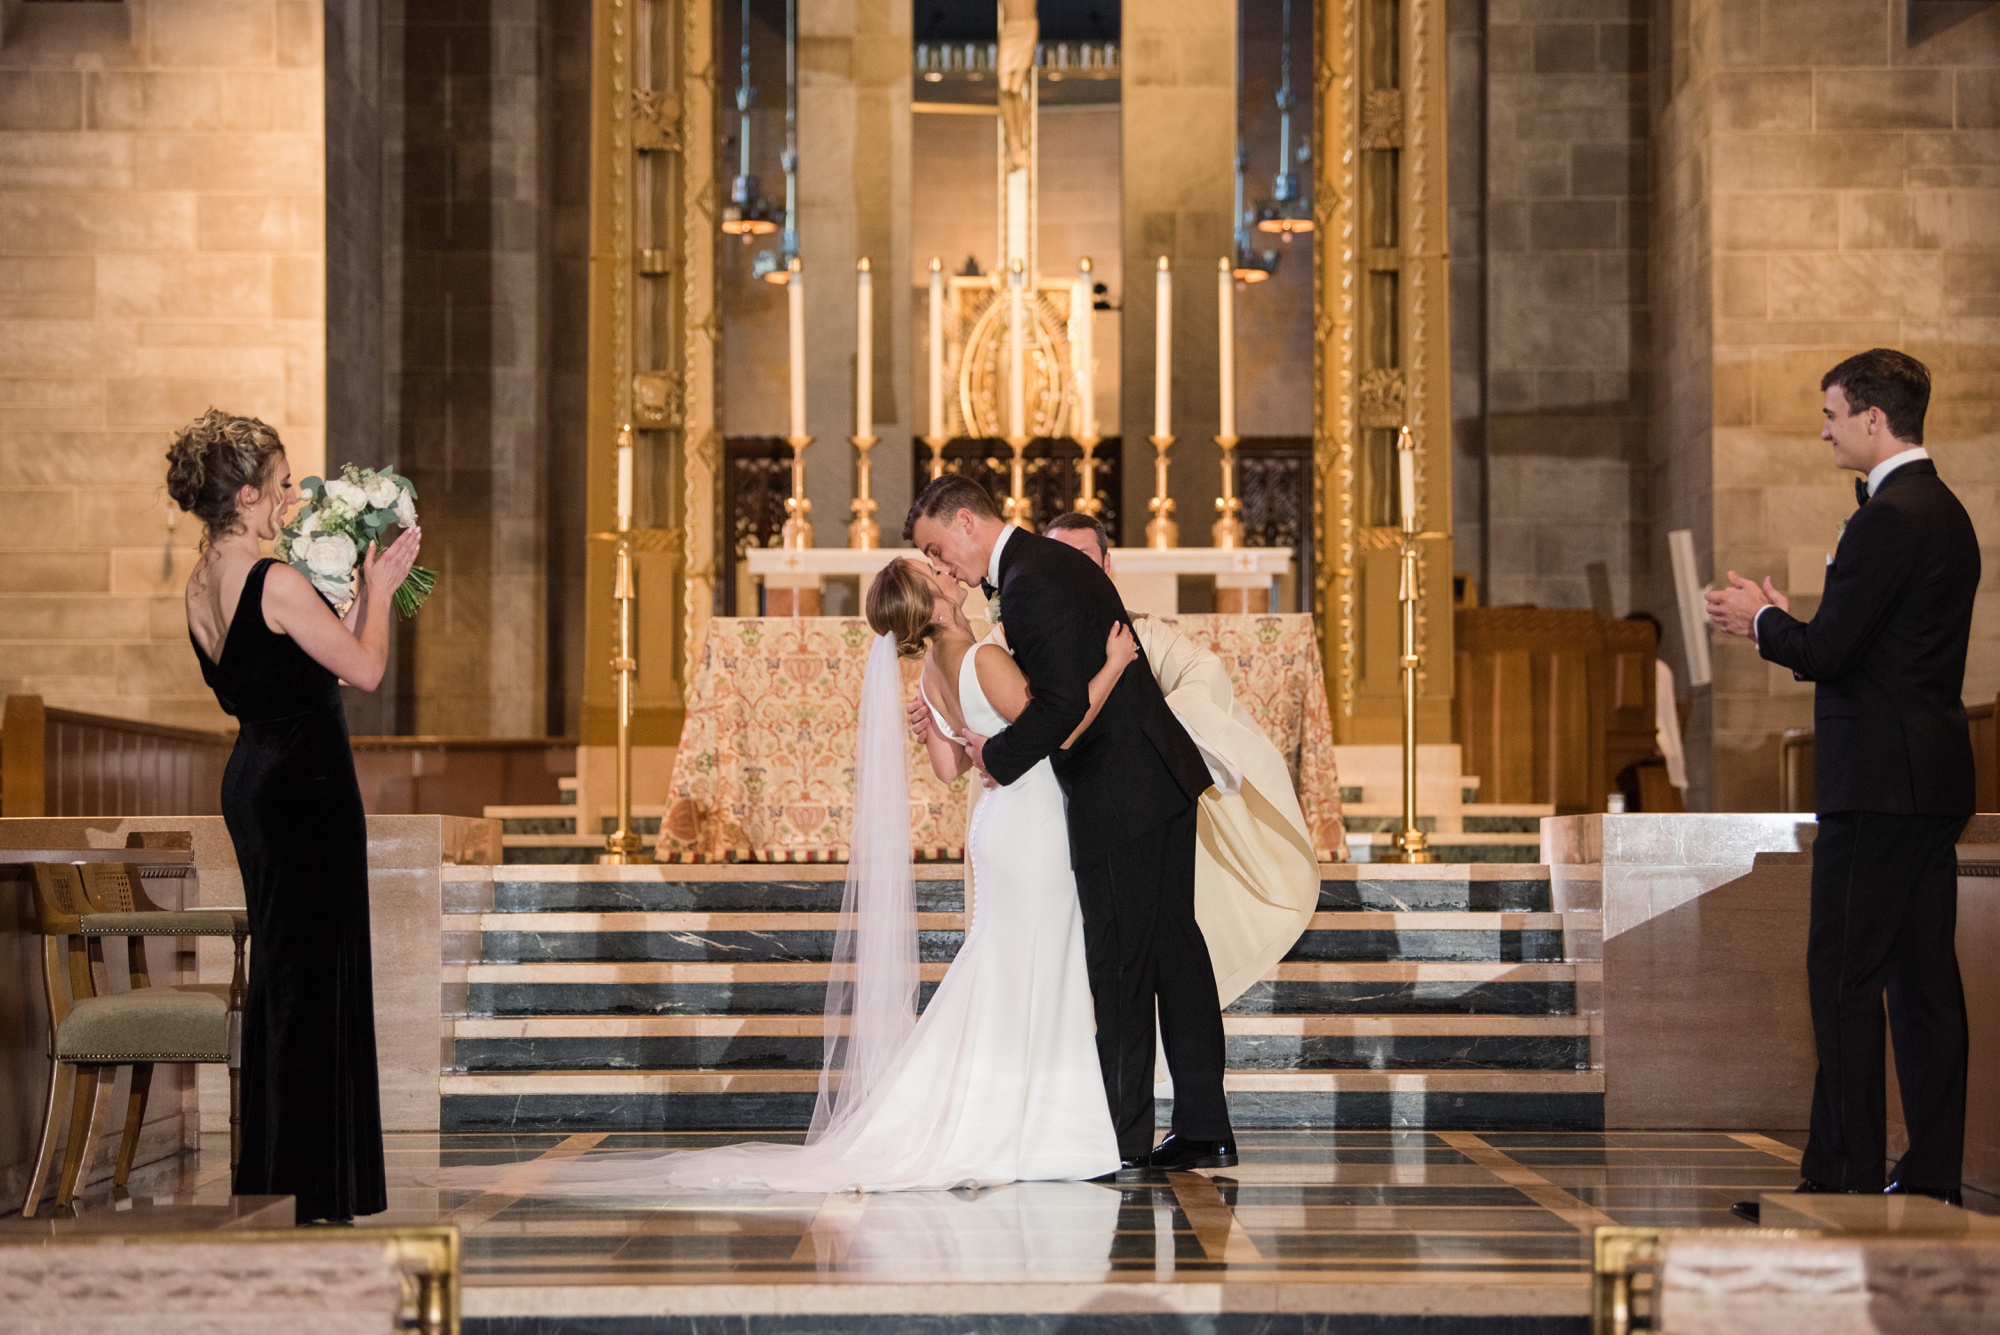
(1289, 212)
(1246, 263)
(747, 214)
(774, 267)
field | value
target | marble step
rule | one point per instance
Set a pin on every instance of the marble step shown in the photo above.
(709, 988)
(1519, 890)
(639, 935)
(1368, 847)
(766, 1099)
(795, 1042)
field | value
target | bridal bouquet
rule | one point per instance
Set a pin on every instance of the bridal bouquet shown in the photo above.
(340, 517)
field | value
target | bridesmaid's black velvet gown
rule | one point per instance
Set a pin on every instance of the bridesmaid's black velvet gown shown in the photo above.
(312, 1119)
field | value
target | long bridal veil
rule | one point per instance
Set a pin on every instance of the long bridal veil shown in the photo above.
(871, 1001)
(871, 992)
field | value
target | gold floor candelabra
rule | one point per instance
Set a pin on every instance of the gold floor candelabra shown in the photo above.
(863, 532)
(797, 532)
(1161, 530)
(1411, 843)
(623, 846)
(1228, 529)
(1016, 508)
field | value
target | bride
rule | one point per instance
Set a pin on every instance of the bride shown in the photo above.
(998, 1081)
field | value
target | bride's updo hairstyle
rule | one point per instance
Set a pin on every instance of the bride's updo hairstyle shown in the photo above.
(214, 458)
(900, 604)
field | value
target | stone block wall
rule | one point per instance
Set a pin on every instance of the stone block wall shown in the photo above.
(1854, 201)
(1554, 343)
(162, 249)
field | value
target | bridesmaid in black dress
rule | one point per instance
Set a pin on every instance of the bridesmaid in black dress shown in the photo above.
(274, 653)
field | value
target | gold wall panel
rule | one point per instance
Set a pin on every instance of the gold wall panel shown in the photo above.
(653, 329)
(1381, 354)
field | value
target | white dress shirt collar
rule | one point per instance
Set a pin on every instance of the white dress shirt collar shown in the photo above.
(1891, 464)
(993, 561)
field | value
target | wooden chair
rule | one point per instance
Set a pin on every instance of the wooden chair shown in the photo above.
(93, 1031)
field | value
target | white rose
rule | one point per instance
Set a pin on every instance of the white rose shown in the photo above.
(406, 509)
(309, 525)
(331, 556)
(382, 493)
(346, 493)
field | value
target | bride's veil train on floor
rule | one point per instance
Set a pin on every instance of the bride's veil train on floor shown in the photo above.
(871, 1001)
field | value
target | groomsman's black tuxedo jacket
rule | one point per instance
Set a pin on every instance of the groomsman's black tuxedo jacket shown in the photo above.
(1136, 768)
(1886, 651)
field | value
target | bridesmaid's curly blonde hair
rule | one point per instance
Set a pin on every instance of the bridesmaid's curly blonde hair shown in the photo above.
(901, 603)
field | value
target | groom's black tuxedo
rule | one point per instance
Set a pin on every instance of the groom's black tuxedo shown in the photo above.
(1132, 781)
(1136, 768)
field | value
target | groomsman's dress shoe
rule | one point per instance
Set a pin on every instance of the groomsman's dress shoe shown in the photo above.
(1177, 1154)
(1949, 1195)
(1753, 1211)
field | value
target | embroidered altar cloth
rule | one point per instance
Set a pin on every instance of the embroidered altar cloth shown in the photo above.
(765, 767)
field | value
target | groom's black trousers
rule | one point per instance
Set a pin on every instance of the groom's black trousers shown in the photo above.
(1145, 954)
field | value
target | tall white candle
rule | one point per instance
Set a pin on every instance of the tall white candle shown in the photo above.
(864, 349)
(624, 479)
(1225, 343)
(1163, 351)
(1406, 476)
(795, 300)
(937, 349)
(1080, 344)
(1017, 379)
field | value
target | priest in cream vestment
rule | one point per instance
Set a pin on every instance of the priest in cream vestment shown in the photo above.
(1256, 875)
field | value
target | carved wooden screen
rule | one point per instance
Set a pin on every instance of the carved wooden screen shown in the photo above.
(1052, 475)
(1533, 705)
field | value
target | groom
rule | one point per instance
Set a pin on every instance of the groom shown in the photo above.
(1132, 782)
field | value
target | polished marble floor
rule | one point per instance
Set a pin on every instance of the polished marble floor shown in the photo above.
(1313, 1221)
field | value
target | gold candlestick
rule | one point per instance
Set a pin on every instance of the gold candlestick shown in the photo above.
(1015, 509)
(863, 533)
(623, 846)
(1411, 843)
(1087, 502)
(1228, 528)
(936, 444)
(1161, 531)
(797, 532)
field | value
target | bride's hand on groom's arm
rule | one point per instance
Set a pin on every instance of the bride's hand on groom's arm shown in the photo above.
(920, 720)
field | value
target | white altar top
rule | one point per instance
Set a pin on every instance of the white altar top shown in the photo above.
(1147, 577)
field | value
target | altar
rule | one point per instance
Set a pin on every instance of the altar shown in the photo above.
(1148, 578)
(765, 768)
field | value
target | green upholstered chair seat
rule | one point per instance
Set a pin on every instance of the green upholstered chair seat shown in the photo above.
(154, 1025)
(183, 922)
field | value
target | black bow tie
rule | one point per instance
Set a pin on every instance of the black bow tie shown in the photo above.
(986, 587)
(1860, 492)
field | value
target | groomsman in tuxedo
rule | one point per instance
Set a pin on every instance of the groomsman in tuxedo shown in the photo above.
(1894, 779)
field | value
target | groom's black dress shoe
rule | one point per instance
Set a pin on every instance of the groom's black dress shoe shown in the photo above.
(1177, 1154)
(1128, 1170)
(1753, 1211)
(1949, 1195)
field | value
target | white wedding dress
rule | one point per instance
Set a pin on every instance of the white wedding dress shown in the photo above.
(998, 1081)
